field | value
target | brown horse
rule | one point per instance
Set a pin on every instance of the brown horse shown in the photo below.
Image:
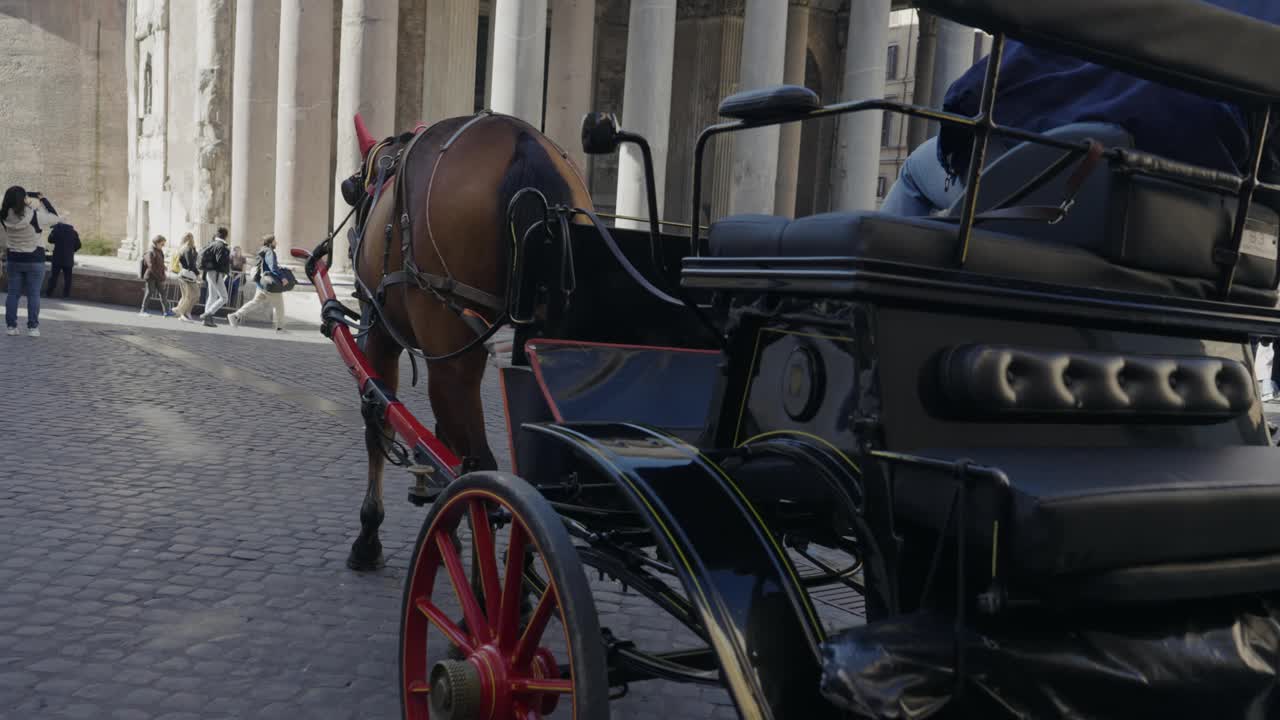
(458, 177)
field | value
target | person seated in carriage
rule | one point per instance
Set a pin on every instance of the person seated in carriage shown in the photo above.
(1041, 90)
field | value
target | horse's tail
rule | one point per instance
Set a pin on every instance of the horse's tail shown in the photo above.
(531, 167)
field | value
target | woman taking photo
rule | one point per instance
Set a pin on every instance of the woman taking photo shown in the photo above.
(22, 222)
(188, 277)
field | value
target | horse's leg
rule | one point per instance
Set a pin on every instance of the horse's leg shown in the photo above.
(366, 551)
(454, 390)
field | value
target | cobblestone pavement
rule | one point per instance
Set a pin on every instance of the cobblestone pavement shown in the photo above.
(175, 511)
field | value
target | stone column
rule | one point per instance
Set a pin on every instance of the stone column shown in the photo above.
(572, 73)
(519, 58)
(303, 128)
(130, 241)
(720, 158)
(366, 85)
(488, 57)
(253, 121)
(449, 77)
(954, 56)
(857, 156)
(709, 45)
(646, 102)
(789, 135)
(213, 117)
(410, 50)
(755, 157)
(926, 51)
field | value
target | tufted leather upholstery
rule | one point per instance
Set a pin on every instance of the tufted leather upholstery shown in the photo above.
(1006, 382)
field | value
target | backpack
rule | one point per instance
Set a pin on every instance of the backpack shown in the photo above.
(262, 261)
(211, 256)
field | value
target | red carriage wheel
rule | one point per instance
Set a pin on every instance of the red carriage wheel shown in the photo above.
(517, 636)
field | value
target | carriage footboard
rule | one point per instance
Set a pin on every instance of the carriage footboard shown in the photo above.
(430, 460)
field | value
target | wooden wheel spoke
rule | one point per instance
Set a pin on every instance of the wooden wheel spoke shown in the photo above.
(536, 685)
(513, 588)
(471, 610)
(486, 558)
(452, 632)
(528, 642)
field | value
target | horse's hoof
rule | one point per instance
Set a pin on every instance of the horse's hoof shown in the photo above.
(366, 557)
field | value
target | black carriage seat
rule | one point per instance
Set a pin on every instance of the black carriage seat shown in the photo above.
(1112, 525)
(1132, 234)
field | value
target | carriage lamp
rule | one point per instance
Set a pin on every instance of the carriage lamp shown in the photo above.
(600, 134)
(802, 384)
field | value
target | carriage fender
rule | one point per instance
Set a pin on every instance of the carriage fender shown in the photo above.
(759, 620)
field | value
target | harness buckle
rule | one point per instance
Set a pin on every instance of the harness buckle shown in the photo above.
(1063, 209)
(404, 221)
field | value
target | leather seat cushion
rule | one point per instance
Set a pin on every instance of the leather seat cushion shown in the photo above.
(1077, 511)
(921, 241)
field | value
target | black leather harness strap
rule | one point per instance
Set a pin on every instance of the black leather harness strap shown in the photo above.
(1051, 214)
(445, 287)
(392, 168)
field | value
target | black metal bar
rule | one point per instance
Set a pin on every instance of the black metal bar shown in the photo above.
(962, 599)
(695, 234)
(971, 469)
(653, 588)
(1262, 121)
(830, 574)
(650, 184)
(638, 666)
(1039, 181)
(981, 141)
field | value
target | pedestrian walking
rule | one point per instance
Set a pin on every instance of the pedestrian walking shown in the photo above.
(153, 275)
(21, 217)
(215, 262)
(188, 277)
(66, 243)
(268, 267)
(237, 273)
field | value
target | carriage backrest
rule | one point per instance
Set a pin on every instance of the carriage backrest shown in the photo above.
(1133, 221)
(1010, 171)
(1187, 44)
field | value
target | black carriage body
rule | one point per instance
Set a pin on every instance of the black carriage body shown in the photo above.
(1009, 445)
(837, 377)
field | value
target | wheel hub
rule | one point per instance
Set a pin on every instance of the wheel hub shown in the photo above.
(455, 690)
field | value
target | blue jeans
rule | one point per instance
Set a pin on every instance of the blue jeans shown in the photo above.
(921, 188)
(25, 278)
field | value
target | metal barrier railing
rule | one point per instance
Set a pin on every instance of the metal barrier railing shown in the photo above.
(243, 290)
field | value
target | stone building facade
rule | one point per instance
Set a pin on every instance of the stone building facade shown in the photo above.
(63, 117)
(237, 113)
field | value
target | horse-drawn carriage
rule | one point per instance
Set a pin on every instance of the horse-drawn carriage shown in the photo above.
(1035, 450)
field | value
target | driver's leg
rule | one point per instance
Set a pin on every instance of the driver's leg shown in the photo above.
(922, 188)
